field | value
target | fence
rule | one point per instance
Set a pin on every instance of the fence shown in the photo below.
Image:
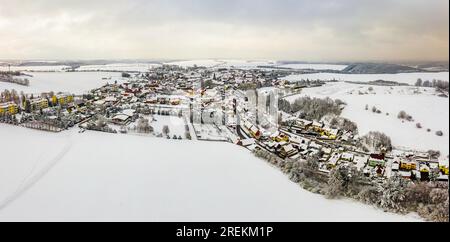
(41, 126)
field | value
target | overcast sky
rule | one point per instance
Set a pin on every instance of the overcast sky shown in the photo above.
(325, 30)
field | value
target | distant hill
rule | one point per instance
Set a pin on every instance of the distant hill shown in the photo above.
(379, 68)
(434, 66)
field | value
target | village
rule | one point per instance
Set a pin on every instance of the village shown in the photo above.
(218, 105)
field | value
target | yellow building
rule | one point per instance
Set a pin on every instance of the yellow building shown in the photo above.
(39, 103)
(330, 133)
(408, 166)
(9, 108)
(443, 169)
(62, 99)
(175, 101)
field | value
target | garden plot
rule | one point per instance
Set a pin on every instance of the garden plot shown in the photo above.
(176, 125)
(210, 132)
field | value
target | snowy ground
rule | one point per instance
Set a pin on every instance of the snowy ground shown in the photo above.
(428, 109)
(176, 125)
(133, 67)
(315, 66)
(73, 82)
(409, 78)
(251, 64)
(242, 64)
(103, 177)
(191, 63)
(33, 68)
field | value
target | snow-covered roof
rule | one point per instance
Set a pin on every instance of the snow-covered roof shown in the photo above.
(347, 156)
(288, 148)
(7, 104)
(99, 102)
(121, 117)
(110, 99)
(327, 150)
(129, 112)
(247, 142)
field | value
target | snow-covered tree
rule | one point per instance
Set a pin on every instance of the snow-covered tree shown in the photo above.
(439, 133)
(376, 141)
(166, 130)
(101, 121)
(337, 182)
(370, 195)
(394, 194)
(419, 82)
(143, 126)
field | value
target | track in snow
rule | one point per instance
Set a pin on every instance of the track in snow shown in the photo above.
(25, 185)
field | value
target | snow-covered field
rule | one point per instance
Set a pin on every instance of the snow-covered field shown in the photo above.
(33, 68)
(176, 125)
(191, 63)
(74, 82)
(251, 64)
(243, 64)
(102, 177)
(315, 66)
(134, 67)
(409, 78)
(425, 107)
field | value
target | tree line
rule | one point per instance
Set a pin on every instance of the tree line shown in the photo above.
(312, 108)
(438, 84)
(429, 199)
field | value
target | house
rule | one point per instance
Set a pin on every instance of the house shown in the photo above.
(62, 99)
(330, 133)
(110, 99)
(332, 162)
(253, 130)
(99, 103)
(421, 155)
(377, 160)
(424, 168)
(175, 101)
(81, 106)
(317, 126)
(443, 167)
(121, 119)
(9, 108)
(303, 123)
(327, 151)
(129, 112)
(288, 151)
(406, 174)
(299, 140)
(314, 145)
(346, 136)
(424, 172)
(408, 166)
(434, 166)
(246, 142)
(163, 100)
(151, 100)
(279, 137)
(347, 157)
(360, 161)
(38, 103)
(395, 165)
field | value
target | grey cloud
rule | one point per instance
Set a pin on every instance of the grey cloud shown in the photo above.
(343, 27)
